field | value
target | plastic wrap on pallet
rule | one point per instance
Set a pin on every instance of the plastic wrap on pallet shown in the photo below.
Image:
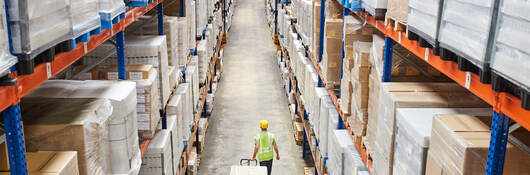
(158, 158)
(191, 20)
(459, 145)
(353, 162)
(183, 44)
(333, 10)
(511, 51)
(186, 107)
(38, 25)
(148, 106)
(397, 10)
(85, 16)
(201, 16)
(325, 105)
(375, 7)
(423, 18)
(173, 125)
(174, 77)
(192, 77)
(338, 145)
(6, 59)
(413, 132)
(52, 124)
(320, 94)
(139, 50)
(390, 100)
(110, 9)
(202, 52)
(123, 135)
(467, 36)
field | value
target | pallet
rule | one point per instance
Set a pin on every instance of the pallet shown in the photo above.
(423, 42)
(107, 24)
(397, 25)
(309, 170)
(85, 37)
(465, 65)
(27, 63)
(379, 14)
(501, 84)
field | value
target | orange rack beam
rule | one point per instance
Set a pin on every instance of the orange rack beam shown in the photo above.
(11, 95)
(502, 102)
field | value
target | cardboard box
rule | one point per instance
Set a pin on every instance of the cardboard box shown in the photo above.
(133, 72)
(397, 10)
(459, 145)
(92, 74)
(50, 163)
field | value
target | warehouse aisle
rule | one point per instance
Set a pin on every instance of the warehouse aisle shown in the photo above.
(250, 90)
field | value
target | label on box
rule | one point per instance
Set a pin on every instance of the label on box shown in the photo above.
(468, 80)
(140, 107)
(112, 75)
(136, 75)
(49, 70)
(140, 98)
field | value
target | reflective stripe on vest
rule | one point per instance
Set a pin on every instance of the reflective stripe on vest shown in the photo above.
(265, 141)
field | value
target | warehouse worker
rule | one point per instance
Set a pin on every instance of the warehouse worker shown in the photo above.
(264, 143)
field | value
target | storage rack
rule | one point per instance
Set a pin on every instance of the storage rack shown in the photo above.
(11, 95)
(506, 106)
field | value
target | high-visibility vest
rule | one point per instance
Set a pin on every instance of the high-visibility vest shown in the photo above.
(265, 141)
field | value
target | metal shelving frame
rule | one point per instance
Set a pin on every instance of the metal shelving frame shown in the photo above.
(503, 104)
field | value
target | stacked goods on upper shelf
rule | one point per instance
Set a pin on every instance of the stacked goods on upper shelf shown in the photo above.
(122, 139)
(339, 143)
(49, 162)
(328, 122)
(331, 57)
(108, 10)
(459, 145)
(397, 11)
(177, 146)
(355, 33)
(59, 124)
(321, 95)
(416, 95)
(406, 67)
(413, 133)
(469, 39)
(6, 59)
(171, 31)
(174, 77)
(511, 53)
(359, 84)
(183, 46)
(376, 8)
(204, 60)
(353, 162)
(36, 28)
(158, 158)
(192, 77)
(139, 50)
(302, 11)
(201, 16)
(181, 106)
(423, 21)
(191, 18)
(315, 32)
(85, 18)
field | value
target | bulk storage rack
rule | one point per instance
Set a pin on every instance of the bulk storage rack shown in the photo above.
(506, 106)
(12, 94)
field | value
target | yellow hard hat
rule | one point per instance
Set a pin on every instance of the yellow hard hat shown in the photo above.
(264, 124)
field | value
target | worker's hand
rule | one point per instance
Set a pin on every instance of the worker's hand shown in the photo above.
(277, 157)
(253, 159)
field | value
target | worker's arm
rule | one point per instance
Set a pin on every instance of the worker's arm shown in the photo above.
(276, 150)
(255, 152)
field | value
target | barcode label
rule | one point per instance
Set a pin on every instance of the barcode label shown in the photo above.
(399, 39)
(468, 80)
(48, 70)
(426, 54)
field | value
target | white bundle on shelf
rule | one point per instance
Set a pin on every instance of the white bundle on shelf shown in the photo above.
(85, 16)
(182, 45)
(192, 77)
(158, 158)
(423, 18)
(174, 77)
(325, 119)
(511, 54)
(339, 143)
(191, 19)
(413, 133)
(177, 147)
(59, 124)
(201, 16)
(186, 110)
(122, 125)
(38, 25)
(314, 120)
(469, 37)
(6, 59)
(148, 106)
(353, 162)
(139, 50)
(204, 60)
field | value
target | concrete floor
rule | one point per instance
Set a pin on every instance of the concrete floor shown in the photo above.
(250, 90)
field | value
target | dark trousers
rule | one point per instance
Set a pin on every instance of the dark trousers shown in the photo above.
(268, 164)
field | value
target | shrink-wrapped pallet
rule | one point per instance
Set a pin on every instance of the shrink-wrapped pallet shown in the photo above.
(158, 158)
(389, 101)
(84, 14)
(325, 105)
(122, 136)
(60, 124)
(108, 10)
(459, 145)
(6, 59)
(204, 60)
(423, 19)
(186, 114)
(174, 77)
(353, 162)
(139, 50)
(191, 20)
(175, 108)
(413, 132)
(333, 124)
(147, 107)
(315, 32)
(38, 25)
(511, 54)
(338, 143)
(397, 10)
(469, 37)
(331, 58)
(183, 44)
(320, 93)
(376, 8)
(192, 77)
(177, 147)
